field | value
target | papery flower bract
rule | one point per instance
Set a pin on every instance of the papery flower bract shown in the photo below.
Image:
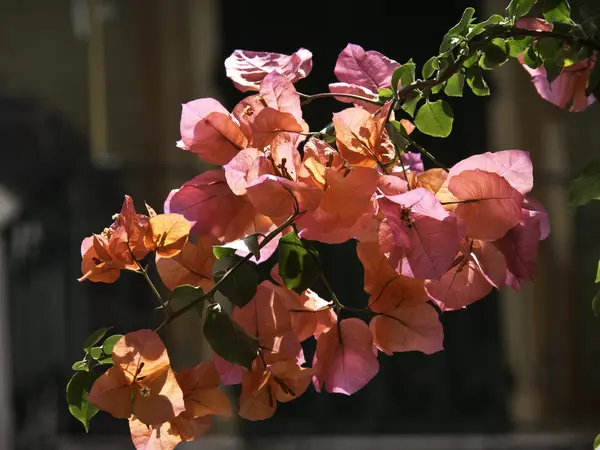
(192, 265)
(208, 130)
(126, 235)
(168, 435)
(201, 393)
(424, 237)
(247, 69)
(488, 205)
(345, 359)
(167, 234)
(141, 370)
(362, 73)
(97, 264)
(264, 386)
(229, 373)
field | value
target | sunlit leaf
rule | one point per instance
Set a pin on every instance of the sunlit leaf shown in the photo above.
(77, 397)
(435, 119)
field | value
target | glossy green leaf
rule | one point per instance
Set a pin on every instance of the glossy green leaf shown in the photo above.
(586, 187)
(429, 67)
(435, 119)
(452, 38)
(556, 11)
(476, 81)
(518, 45)
(598, 273)
(94, 338)
(96, 352)
(495, 54)
(184, 295)
(221, 252)
(471, 60)
(298, 262)
(518, 8)
(228, 339)
(597, 442)
(481, 27)
(405, 74)
(410, 104)
(78, 389)
(80, 365)
(240, 285)
(109, 343)
(454, 86)
(385, 94)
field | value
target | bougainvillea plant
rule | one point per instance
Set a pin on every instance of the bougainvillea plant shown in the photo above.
(430, 241)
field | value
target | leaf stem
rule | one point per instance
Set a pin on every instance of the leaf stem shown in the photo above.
(162, 303)
(432, 158)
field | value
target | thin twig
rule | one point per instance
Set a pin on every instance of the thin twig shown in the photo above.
(309, 98)
(161, 302)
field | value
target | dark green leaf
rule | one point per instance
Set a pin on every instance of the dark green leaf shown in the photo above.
(228, 339)
(495, 54)
(532, 59)
(221, 252)
(454, 86)
(556, 11)
(594, 82)
(518, 45)
(405, 74)
(428, 67)
(96, 352)
(518, 8)
(94, 338)
(385, 94)
(240, 285)
(549, 47)
(586, 187)
(476, 81)
(184, 295)
(251, 243)
(298, 262)
(435, 119)
(109, 343)
(452, 38)
(80, 365)
(77, 392)
(397, 134)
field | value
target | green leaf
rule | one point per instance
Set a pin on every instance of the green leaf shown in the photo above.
(105, 360)
(586, 187)
(556, 11)
(597, 442)
(481, 27)
(518, 45)
(596, 306)
(518, 8)
(109, 344)
(80, 365)
(495, 54)
(476, 81)
(228, 339)
(251, 243)
(454, 85)
(471, 60)
(598, 273)
(385, 94)
(94, 338)
(221, 252)
(452, 38)
(405, 74)
(96, 352)
(532, 59)
(298, 262)
(435, 119)
(184, 295)
(428, 68)
(397, 134)
(78, 389)
(240, 286)
(410, 104)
